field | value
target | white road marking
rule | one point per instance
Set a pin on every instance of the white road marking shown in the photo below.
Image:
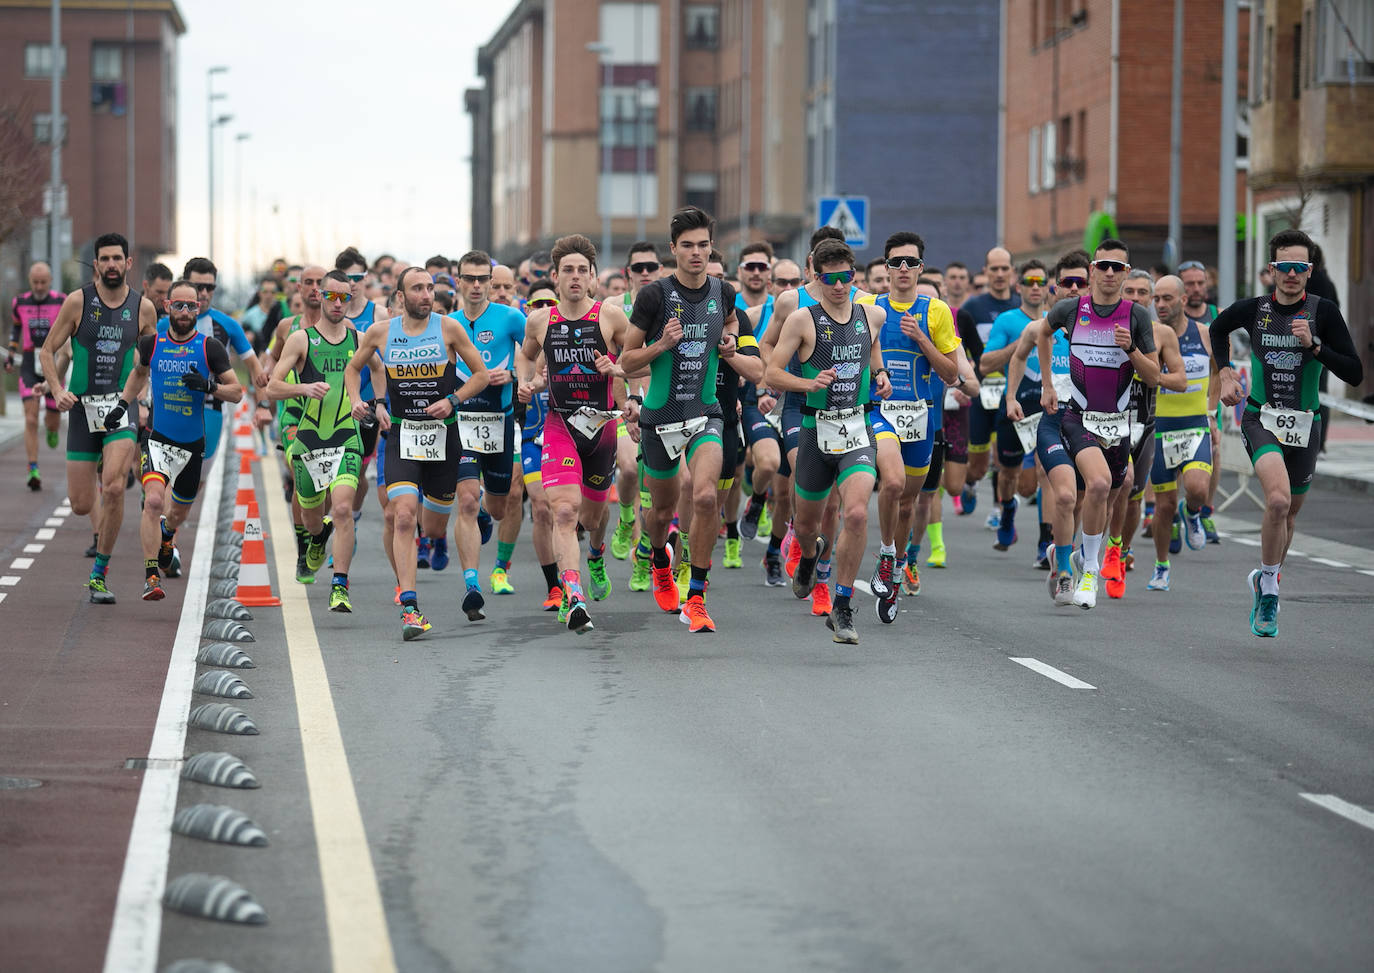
(1050, 672)
(1370, 573)
(3, 595)
(1247, 541)
(863, 586)
(1328, 562)
(9, 580)
(1293, 553)
(137, 927)
(44, 534)
(21, 564)
(34, 548)
(53, 522)
(1351, 812)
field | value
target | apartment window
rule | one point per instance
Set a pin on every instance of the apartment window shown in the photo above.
(38, 60)
(107, 63)
(1345, 41)
(699, 189)
(702, 26)
(1033, 163)
(1048, 156)
(42, 127)
(620, 126)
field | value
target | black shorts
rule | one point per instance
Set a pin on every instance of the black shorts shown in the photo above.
(494, 468)
(818, 472)
(86, 446)
(1301, 461)
(656, 461)
(187, 482)
(368, 435)
(937, 465)
(1077, 439)
(435, 482)
(981, 423)
(1142, 459)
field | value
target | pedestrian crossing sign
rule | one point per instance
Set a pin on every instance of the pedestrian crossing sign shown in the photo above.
(848, 214)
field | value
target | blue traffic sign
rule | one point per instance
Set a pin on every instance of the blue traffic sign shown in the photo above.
(848, 214)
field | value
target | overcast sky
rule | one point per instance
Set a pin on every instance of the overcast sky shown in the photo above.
(355, 111)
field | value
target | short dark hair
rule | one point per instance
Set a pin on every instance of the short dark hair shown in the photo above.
(830, 252)
(935, 270)
(758, 246)
(438, 260)
(183, 282)
(904, 238)
(570, 244)
(542, 284)
(718, 258)
(825, 233)
(929, 279)
(200, 265)
(543, 258)
(1112, 243)
(111, 240)
(640, 246)
(348, 257)
(265, 280)
(690, 218)
(1073, 260)
(955, 263)
(401, 281)
(1034, 263)
(614, 276)
(875, 262)
(1160, 268)
(1291, 238)
(475, 257)
(338, 275)
(445, 300)
(157, 271)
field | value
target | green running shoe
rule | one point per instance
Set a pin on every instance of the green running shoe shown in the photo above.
(621, 540)
(413, 624)
(640, 578)
(500, 584)
(732, 555)
(100, 595)
(35, 480)
(1265, 621)
(563, 609)
(338, 599)
(598, 584)
(52, 438)
(304, 573)
(315, 548)
(766, 521)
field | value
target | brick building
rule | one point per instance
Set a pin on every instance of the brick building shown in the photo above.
(119, 96)
(1063, 103)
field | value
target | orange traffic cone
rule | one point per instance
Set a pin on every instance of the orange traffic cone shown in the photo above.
(245, 495)
(255, 584)
(243, 431)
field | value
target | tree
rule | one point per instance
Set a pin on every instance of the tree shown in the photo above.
(22, 172)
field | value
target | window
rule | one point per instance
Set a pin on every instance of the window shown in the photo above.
(699, 109)
(620, 128)
(699, 189)
(1048, 156)
(107, 63)
(38, 60)
(42, 127)
(1345, 41)
(1033, 164)
(702, 26)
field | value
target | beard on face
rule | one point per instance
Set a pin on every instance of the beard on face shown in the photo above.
(182, 324)
(419, 309)
(112, 278)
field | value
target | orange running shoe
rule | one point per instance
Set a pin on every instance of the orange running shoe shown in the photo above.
(820, 600)
(793, 558)
(554, 601)
(1113, 573)
(398, 595)
(665, 589)
(694, 616)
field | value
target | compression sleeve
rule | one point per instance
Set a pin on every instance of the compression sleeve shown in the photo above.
(146, 344)
(1142, 329)
(1338, 352)
(648, 305)
(746, 342)
(968, 331)
(1235, 317)
(216, 357)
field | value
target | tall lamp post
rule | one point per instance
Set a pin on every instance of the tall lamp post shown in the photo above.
(243, 272)
(211, 123)
(603, 193)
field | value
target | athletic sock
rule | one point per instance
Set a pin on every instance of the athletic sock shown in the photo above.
(1046, 533)
(102, 564)
(775, 545)
(504, 551)
(572, 583)
(168, 532)
(843, 593)
(1206, 510)
(470, 578)
(1269, 579)
(627, 513)
(823, 570)
(150, 567)
(596, 553)
(913, 552)
(32, 467)
(661, 558)
(697, 585)
(302, 539)
(732, 530)
(888, 549)
(550, 574)
(340, 579)
(1092, 553)
(408, 600)
(1008, 513)
(936, 533)
(1063, 557)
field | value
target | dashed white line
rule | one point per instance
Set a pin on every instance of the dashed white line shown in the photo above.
(1050, 672)
(1247, 541)
(1293, 553)
(1351, 812)
(44, 534)
(9, 580)
(1328, 562)
(863, 586)
(3, 595)
(34, 548)
(53, 522)
(1364, 571)
(21, 564)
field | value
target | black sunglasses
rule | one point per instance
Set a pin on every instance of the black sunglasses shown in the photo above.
(1067, 282)
(756, 267)
(787, 281)
(645, 267)
(904, 263)
(208, 288)
(1115, 266)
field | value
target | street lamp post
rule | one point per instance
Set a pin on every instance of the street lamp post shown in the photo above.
(242, 271)
(603, 194)
(642, 99)
(211, 123)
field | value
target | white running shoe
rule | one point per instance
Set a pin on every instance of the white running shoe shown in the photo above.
(1086, 595)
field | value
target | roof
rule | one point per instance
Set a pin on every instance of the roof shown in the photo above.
(524, 10)
(114, 6)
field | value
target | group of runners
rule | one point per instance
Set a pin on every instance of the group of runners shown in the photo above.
(661, 407)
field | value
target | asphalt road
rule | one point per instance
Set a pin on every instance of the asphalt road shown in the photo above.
(763, 799)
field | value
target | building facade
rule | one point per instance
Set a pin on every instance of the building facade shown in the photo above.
(119, 100)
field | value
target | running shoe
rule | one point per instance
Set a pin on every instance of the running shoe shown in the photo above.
(883, 583)
(1210, 528)
(622, 539)
(695, 617)
(640, 578)
(93, 550)
(598, 582)
(164, 549)
(563, 606)
(732, 557)
(100, 594)
(967, 502)
(315, 548)
(1062, 588)
(1159, 581)
(820, 600)
(1113, 573)
(665, 589)
(911, 580)
(1147, 521)
(841, 622)
(484, 524)
(1005, 538)
(174, 569)
(472, 605)
(413, 624)
(1266, 623)
(1127, 560)
(772, 571)
(1042, 557)
(579, 619)
(749, 523)
(1175, 535)
(35, 480)
(936, 559)
(152, 589)
(957, 502)
(500, 584)
(1194, 533)
(804, 577)
(304, 575)
(684, 580)
(438, 553)
(793, 558)
(766, 522)
(338, 599)
(52, 438)
(422, 553)
(1085, 596)
(554, 601)
(994, 520)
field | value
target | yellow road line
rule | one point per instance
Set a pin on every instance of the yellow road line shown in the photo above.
(358, 937)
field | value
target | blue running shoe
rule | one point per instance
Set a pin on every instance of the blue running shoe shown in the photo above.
(484, 524)
(438, 553)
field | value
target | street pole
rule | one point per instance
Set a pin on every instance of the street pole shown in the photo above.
(603, 192)
(1174, 243)
(1226, 210)
(210, 98)
(56, 132)
(641, 155)
(240, 271)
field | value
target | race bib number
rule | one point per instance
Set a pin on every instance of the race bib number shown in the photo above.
(1027, 429)
(97, 408)
(167, 459)
(676, 435)
(841, 431)
(1109, 427)
(991, 391)
(909, 420)
(1137, 433)
(588, 421)
(1063, 387)
(1180, 445)
(482, 432)
(1291, 427)
(774, 419)
(423, 439)
(951, 403)
(323, 465)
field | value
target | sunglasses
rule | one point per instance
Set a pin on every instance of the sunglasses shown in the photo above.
(181, 306)
(755, 267)
(474, 278)
(1191, 265)
(787, 281)
(207, 288)
(833, 277)
(1291, 266)
(293, 280)
(356, 277)
(1067, 282)
(336, 295)
(1033, 280)
(1115, 266)
(539, 302)
(904, 263)
(649, 266)
(540, 274)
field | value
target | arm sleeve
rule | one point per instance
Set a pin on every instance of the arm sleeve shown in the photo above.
(241, 345)
(1142, 329)
(648, 306)
(146, 344)
(1338, 352)
(1062, 313)
(216, 357)
(1220, 331)
(746, 342)
(16, 328)
(968, 331)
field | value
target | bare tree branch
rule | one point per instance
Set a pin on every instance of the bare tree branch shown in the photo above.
(22, 172)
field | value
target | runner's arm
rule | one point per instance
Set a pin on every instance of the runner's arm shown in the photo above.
(746, 361)
(790, 337)
(1176, 378)
(945, 363)
(881, 378)
(138, 374)
(68, 317)
(1020, 354)
(456, 337)
(1141, 350)
(1337, 350)
(228, 388)
(1044, 338)
(291, 357)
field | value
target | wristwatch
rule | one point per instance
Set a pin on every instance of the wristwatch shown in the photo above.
(1316, 347)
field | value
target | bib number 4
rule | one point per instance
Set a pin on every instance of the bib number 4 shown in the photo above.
(841, 431)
